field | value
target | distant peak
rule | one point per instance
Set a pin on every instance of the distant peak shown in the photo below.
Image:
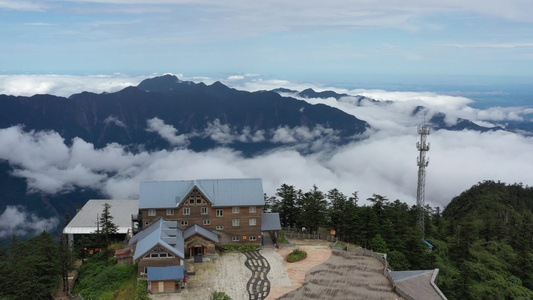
(163, 83)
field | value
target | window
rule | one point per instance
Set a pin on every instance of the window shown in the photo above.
(146, 223)
(235, 222)
(151, 212)
(220, 227)
(170, 211)
(204, 210)
(207, 222)
(252, 222)
(184, 222)
(252, 209)
(186, 211)
(220, 212)
(198, 200)
(235, 209)
(235, 238)
(252, 238)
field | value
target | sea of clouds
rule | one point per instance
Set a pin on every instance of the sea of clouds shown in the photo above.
(383, 162)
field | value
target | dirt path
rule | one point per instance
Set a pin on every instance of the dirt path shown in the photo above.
(317, 253)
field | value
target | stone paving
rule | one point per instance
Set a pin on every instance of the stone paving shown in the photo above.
(258, 286)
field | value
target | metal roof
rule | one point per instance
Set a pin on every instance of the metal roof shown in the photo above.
(270, 221)
(419, 284)
(221, 192)
(165, 273)
(161, 232)
(197, 229)
(85, 221)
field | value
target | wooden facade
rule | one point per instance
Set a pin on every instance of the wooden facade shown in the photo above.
(233, 225)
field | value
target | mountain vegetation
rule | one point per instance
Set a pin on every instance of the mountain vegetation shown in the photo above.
(30, 269)
(482, 241)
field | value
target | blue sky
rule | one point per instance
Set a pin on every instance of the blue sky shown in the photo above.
(344, 42)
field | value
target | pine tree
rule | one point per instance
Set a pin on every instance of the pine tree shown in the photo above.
(107, 229)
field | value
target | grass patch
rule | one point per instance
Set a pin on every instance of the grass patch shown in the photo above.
(244, 248)
(296, 255)
(340, 244)
(282, 239)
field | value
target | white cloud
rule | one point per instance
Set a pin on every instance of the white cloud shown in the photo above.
(236, 77)
(114, 120)
(385, 163)
(220, 133)
(168, 132)
(64, 85)
(15, 220)
(22, 5)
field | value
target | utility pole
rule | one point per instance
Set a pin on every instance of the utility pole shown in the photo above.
(422, 163)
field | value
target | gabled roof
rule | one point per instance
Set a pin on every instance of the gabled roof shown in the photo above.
(197, 229)
(86, 220)
(220, 192)
(165, 273)
(270, 221)
(163, 233)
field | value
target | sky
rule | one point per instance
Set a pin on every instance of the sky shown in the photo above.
(350, 42)
(470, 59)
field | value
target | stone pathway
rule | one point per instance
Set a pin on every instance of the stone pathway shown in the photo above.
(258, 286)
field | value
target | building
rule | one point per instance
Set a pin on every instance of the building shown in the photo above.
(229, 208)
(183, 219)
(176, 220)
(86, 220)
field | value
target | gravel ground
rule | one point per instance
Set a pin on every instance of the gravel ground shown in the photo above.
(228, 273)
(345, 275)
(341, 275)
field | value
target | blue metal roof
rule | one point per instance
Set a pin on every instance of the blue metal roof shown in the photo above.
(221, 192)
(270, 221)
(162, 232)
(165, 273)
(197, 229)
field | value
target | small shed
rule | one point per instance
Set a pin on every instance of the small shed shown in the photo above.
(124, 256)
(165, 279)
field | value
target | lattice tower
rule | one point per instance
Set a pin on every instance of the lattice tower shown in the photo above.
(422, 163)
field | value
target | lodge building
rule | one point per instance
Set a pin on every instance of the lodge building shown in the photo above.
(176, 220)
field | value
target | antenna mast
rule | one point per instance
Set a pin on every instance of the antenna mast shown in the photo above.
(422, 163)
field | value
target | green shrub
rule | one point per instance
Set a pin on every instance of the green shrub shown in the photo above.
(220, 296)
(244, 248)
(141, 291)
(296, 255)
(96, 279)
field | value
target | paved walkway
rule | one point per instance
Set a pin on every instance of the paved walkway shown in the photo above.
(258, 286)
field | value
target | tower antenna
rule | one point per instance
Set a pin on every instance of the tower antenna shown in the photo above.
(422, 163)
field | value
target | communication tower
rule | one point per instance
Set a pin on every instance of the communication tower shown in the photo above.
(422, 163)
